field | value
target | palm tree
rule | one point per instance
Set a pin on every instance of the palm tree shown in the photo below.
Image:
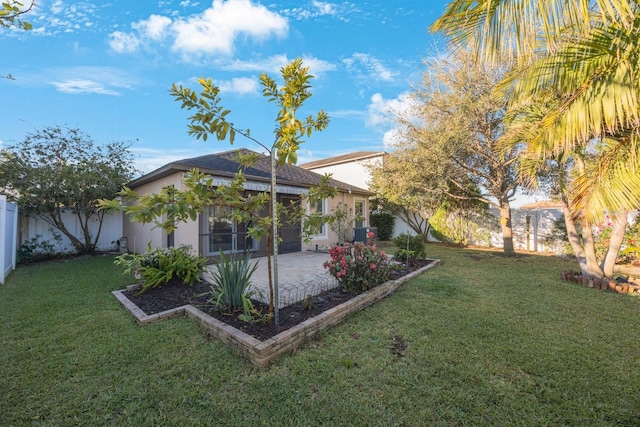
(573, 94)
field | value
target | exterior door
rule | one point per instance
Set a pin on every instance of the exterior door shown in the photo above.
(290, 233)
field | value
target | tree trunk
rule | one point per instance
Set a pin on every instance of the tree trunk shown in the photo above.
(507, 232)
(615, 242)
(583, 248)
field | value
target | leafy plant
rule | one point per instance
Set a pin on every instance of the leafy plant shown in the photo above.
(404, 255)
(232, 279)
(413, 246)
(358, 266)
(342, 222)
(383, 221)
(159, 266)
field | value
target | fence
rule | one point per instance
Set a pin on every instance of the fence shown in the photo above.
(38, 232)
(8, 237)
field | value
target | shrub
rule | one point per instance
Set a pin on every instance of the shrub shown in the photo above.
(342, 223)
(359, 266)
(232, 279)
(383, 221)
(415, 245)
(160, 266)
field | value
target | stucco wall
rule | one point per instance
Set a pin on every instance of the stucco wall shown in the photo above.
(355, 172)
(331, 238)
(140, 235)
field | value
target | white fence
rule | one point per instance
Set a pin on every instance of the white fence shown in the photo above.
(8, 237)
(35, 230)
(531, 229)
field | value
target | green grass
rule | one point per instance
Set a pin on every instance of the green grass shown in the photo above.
(489, 341)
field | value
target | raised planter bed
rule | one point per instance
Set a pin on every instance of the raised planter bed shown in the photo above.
(261, 353)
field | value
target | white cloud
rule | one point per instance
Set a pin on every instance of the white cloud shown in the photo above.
(391, 138)
(82, 87)
(346, 114)
(213, 31)
(368, 68)
(381, 111)
(123, 42)
(273, 64)
(89, 80)
(154, 28)
(62, 17)
(316, 8)
(239, 85)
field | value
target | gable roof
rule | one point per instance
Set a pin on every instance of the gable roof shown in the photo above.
(344, 158)
(225, 165)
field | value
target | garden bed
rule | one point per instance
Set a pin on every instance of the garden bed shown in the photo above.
(260, 342)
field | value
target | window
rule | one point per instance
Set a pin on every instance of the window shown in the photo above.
(358, 210)
(319, 207)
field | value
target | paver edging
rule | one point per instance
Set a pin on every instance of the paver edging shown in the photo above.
(261, 353)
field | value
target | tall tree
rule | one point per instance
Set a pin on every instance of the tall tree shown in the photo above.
(450, 147)
(59, 169)
(573, 92)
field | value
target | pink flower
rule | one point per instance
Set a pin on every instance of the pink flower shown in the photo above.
(373, 248)
(370, 234)
(372, 266)
(382, 253)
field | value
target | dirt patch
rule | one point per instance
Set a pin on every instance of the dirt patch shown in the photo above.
(176, 294)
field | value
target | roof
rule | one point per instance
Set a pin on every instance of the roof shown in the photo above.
(225, 165)
(543, 204)
(344, 158)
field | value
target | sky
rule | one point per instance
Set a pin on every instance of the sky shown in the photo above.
(107, 67)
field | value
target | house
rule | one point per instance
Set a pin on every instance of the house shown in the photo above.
(214, 231)
(353, 168)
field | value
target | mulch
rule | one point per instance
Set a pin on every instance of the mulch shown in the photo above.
(175, 294)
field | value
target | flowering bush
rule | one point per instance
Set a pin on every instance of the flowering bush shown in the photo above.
(359, 266)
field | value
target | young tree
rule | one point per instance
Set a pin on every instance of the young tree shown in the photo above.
(59, 169)
(450, 147)
(210, 119)
(574, 95)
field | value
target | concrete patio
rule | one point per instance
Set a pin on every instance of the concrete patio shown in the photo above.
(299, 274)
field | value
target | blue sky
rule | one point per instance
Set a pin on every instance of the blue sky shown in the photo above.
(106, 68)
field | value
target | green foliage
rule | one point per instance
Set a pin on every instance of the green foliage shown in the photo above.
(232, 279)
(37, 249)
(461, 226)
(10, 12)
(60, 169)
(358, 266)
(342, 221)
(159, 266)
(557, 237)
(630, 250)
(383, 221)
(415, 244)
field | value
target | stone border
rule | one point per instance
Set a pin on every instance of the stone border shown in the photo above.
(261, 353)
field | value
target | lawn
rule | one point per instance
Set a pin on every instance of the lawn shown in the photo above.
(479, 340)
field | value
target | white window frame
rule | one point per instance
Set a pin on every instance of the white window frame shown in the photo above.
(324, 234)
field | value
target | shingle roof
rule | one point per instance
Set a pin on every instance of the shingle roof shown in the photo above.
(225, 165)
(344, 158)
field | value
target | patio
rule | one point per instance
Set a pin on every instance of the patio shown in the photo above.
(299, 274)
